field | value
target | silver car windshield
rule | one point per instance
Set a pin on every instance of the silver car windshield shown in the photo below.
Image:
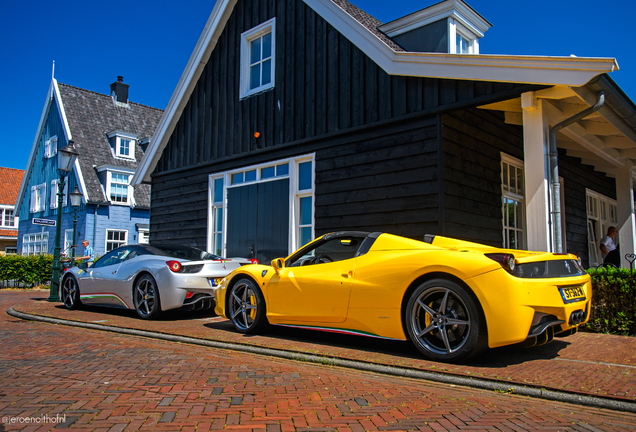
(183, 252)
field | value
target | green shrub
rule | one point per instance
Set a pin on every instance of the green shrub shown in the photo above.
(613, 301)
(25, 270)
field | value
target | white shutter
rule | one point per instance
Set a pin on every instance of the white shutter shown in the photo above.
(33, 198)
(53, 204)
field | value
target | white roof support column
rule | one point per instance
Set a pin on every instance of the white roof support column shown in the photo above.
(625, 200)
(536, 147)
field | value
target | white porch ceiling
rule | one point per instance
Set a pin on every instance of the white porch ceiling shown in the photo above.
(596, 139)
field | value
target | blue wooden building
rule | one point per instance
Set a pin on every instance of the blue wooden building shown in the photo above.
(110, 134)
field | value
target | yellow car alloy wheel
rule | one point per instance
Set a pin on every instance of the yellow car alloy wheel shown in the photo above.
(444, 321)
(246, 306)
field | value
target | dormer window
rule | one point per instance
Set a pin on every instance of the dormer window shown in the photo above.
(122, 144)
(50, 147)
(116, 184)
(450, 26)
(118, 187)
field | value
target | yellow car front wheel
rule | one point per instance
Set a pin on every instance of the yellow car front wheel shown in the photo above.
(445, 321)
(246, 306)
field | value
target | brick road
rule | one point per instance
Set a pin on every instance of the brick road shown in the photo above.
(101, 381)
(585, 363)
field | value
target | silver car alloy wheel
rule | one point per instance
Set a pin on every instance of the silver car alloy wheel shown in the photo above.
(70, 293)
(145, 297)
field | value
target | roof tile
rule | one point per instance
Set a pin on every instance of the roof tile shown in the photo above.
(10, 181)
(368, 21)
(91, 116)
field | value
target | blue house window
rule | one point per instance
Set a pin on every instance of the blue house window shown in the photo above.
(119, 184)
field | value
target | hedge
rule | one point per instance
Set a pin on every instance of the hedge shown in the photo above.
(25, 270)
(613, 301)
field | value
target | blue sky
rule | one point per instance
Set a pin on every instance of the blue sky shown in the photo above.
(150, 42)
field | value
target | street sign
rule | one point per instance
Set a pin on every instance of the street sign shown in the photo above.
(43, 222)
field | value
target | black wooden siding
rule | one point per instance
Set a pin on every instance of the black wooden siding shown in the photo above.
(472, 142)
(323, 84)
(386, 181)
(376, 136)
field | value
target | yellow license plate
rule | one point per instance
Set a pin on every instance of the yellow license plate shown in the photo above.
(216, 281)
(572, 294)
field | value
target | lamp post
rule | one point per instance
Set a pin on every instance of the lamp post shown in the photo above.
(76, 201)
(65, 160)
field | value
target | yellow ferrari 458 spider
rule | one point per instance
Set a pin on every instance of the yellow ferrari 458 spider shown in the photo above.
(451, 298)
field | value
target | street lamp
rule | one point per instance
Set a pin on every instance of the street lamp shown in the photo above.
(76, 201)
(65, 160)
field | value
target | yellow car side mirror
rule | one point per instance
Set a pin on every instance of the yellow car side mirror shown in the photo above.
(278, 265)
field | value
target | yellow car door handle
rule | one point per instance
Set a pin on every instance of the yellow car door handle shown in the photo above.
(346, 275)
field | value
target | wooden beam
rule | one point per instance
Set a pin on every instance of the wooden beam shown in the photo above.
(512, 105)
(618, 142)
(555, 92)
(514, 118)
(599, 128)
(628, 152)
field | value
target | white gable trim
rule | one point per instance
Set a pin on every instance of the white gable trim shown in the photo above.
(571, 71)
(54, 92)
(80, 180)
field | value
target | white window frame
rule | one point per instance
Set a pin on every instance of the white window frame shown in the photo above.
(50, 147)
(602, 212)
(109, 187)
(300, 194)
(53, 200)
(119, 147)
(294, 197)
(216, 243)
(118, 242)
(246, 38)
(68, 241)
(144, 236)
(35, 243)
(516, 196)
(38, 198)
(3, 215)
(455, 29)
(10, 250)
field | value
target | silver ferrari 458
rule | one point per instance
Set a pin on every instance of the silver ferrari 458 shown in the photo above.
(149, 279)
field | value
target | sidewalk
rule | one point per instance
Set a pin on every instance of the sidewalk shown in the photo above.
(585, 364)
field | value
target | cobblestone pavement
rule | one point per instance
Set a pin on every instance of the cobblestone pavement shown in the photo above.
(585, 363)
(94, 380)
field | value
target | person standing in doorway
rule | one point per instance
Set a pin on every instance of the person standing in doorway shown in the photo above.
(608, 248)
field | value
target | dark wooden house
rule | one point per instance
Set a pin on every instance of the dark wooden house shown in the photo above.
(295, 118)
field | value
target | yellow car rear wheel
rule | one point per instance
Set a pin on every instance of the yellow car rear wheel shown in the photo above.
(445, 321)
